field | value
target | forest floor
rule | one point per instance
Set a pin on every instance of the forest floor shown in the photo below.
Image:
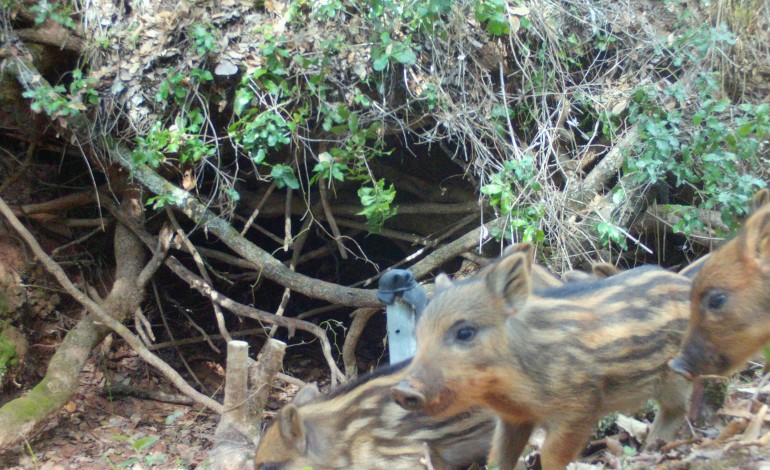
(98, 431)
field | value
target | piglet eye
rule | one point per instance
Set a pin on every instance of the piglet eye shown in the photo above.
(716, 300)
(466, 333)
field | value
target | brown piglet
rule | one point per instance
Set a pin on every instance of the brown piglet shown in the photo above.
(560, 358)
(731, 300)
(359, 426)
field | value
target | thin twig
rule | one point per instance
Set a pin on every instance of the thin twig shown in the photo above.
(22, 168)
(330, 217)
(239, 309)
(78, 241)
(204, 336)
(103, 316)
(297, 245)
(349, 361)
(256, 210)
(170, 334)
(202, 269)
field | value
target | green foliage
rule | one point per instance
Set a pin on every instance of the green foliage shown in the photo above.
(56, 102)
(181, 140)
(400, 51)
(283, 175)
(51, 100)
(329, 168)
(695, 44)
(204, 38)
(690, 220)
(8, 357)
(161, 201)
(505, 189)
(260, 131)
(327, 9)
(429, 93)
(171, 419)
(201, 75)
(82, 88)
(141, 445)
(173, 86)
(57, 12)
(610, 233)
(377, 201)
(493, 14)
(709, 149)
(149, 149)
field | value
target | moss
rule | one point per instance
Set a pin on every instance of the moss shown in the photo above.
(714, 393)
(3, 305)
(606, 426)
(8, 354)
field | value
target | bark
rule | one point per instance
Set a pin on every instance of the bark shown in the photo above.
(246, 392)
(603, 172)
(261, 375)
(25, 417)
(239, 309)
(262, 260)
(236, 410)
(360, 319)
(454, 249)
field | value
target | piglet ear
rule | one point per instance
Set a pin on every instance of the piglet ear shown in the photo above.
(760, 200)
(443, 281)
(604, 270)
(756, 238)
(575, 275)
(293, 428)
(763, 246)
(509, 279)
(528, 249)
(306, 394)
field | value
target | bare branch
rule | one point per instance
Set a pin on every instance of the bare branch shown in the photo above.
(103, 316)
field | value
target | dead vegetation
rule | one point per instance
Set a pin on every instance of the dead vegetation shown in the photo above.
(287, 152)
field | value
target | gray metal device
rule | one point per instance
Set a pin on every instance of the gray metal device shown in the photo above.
(404, 301)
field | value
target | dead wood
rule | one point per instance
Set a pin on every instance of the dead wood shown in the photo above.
(53, 35)
(23, 418)
(56, 206)
(273, 269)
(262, 374)
(262, 260)
(237, 411)
(239, 309)
(124, 298)
(202, 269)
(665, 217)
(360, 318)
(146, 394)
(474, 238)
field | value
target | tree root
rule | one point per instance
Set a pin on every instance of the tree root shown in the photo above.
(25, 417)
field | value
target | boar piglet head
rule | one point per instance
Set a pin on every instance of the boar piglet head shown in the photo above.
(461, 339)
(730, 301)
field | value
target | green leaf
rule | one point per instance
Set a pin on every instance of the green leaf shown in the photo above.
(284, 176)
(129, 463)
(491, 188)
(171, 419)
(243, 98)
(405, 56)
(145, 442)
(381, 62)
(235, 196)
(259, 157)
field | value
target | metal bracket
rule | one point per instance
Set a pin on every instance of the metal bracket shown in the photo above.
(404, 301)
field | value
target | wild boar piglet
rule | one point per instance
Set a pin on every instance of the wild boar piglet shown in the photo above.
(730, 317)
(560, 358)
